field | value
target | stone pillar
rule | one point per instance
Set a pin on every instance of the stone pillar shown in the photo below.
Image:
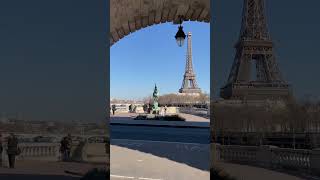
(4, 157)
(215, 153)
(264, 156)
(84, 155)
(57, 153)
(1, 158)
(315, 161)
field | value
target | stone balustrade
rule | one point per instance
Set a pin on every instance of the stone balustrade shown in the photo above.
(269, 157)
(40, 151)
(291, 158)
(195, 111)
(45, 151)
(34, 151)
(238, 154)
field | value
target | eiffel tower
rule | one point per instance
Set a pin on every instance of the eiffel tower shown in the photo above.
(189, 83)
(255, 74)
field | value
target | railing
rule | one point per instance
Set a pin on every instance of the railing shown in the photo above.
(203, 112)
(290, 158)
(51, 151)
(237, 154)
(269, 157)
(34, 151)
(45, 151)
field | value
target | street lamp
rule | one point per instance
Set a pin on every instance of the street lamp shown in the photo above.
(180, 36)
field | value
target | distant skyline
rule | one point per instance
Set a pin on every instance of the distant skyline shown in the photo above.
(294, 29)
(151, 55)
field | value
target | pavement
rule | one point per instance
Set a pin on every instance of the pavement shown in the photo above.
(149, 160)
(46, 170)
(193, 118)
(244, 172)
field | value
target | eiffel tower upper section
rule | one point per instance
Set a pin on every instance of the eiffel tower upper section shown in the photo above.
(254, 25)
(255, 74)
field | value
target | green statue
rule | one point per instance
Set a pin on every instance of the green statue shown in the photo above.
(155, 106)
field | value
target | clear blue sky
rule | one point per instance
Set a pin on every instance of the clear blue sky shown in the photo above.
(151, 55)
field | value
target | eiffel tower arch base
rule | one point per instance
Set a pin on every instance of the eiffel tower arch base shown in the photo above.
(190, 90)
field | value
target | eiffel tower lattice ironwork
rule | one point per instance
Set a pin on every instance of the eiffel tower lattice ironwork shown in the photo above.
(255, 74)
(189, 83)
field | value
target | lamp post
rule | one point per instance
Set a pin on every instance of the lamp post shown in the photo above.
(180, 36)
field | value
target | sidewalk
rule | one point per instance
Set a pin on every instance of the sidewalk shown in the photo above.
(38, 168)
(244, 172)
(128, 163)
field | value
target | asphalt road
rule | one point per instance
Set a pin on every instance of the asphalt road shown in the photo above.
(165, 134)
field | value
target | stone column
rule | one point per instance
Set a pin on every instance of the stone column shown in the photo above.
(4, 157)
(264, 156)
(84, 155)
(315, 161)
(1, 157)
(215, 153)
(57, 153)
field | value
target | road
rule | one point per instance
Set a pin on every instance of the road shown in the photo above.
(164, 134)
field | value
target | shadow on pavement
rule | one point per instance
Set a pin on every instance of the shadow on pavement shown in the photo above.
(194, 155)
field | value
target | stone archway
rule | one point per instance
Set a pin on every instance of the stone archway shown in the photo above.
(128, 16)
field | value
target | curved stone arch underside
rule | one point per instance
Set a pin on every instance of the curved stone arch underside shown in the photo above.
(128, 16)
